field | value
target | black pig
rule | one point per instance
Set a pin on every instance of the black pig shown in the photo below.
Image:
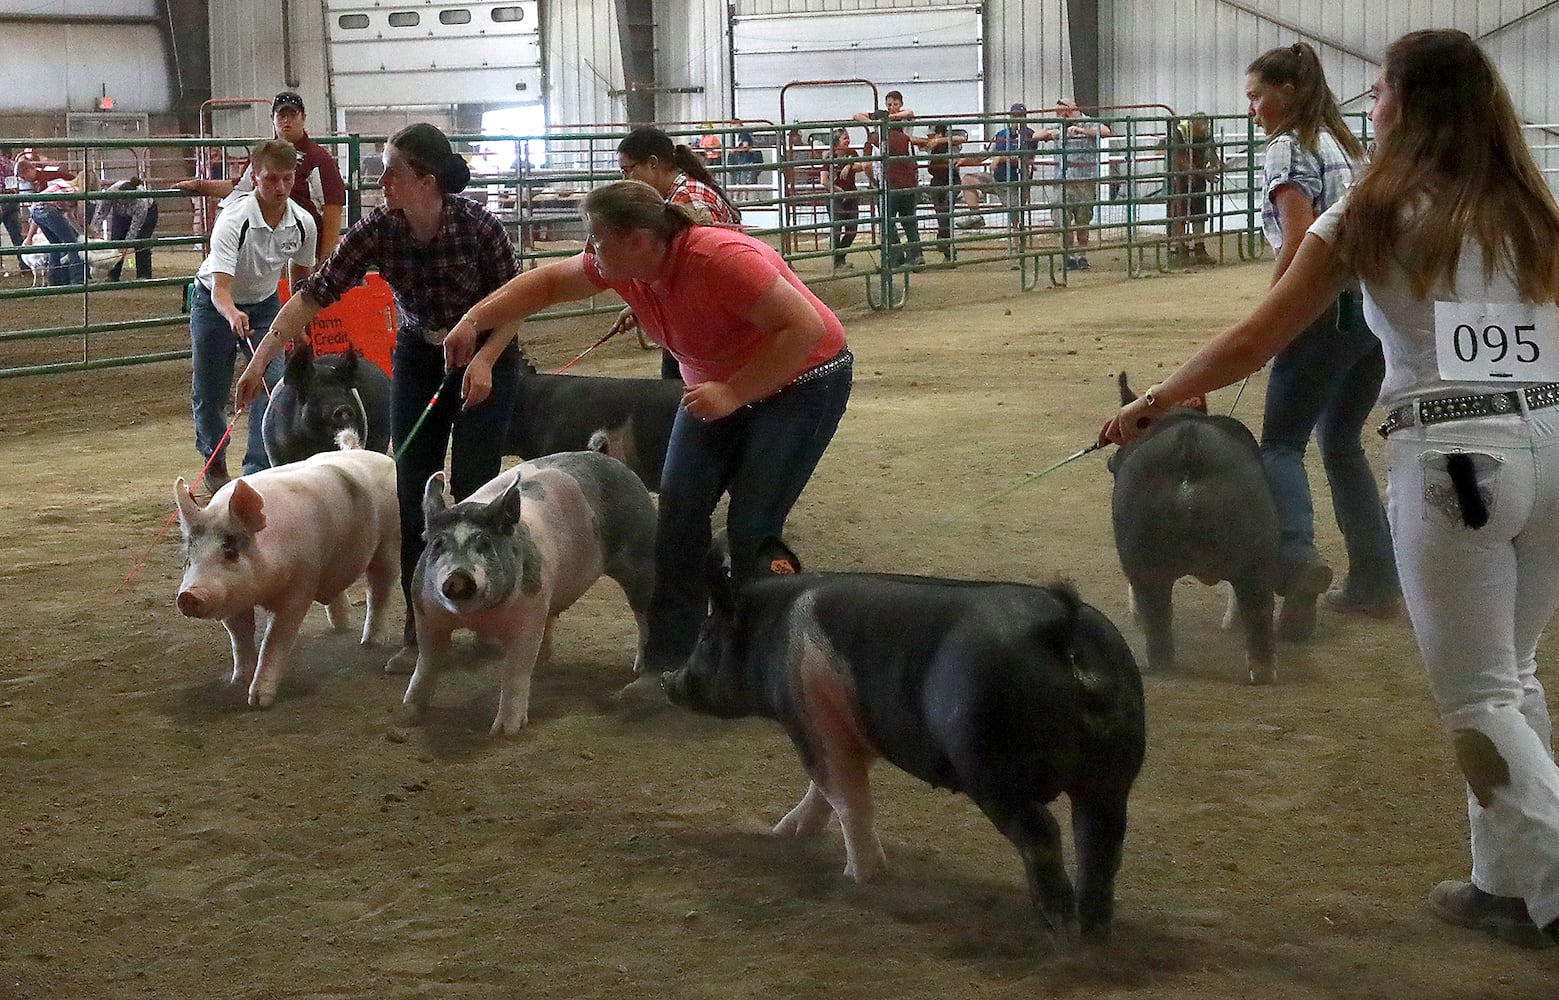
(1191, 499)
(626, 418)
(1010, 694)
(317, 400)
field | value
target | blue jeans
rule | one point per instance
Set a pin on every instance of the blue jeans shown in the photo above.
(477, 436)
(762, 455)
(903, 203)
(213, 350)
(1327, 381)
(65, 268)
(10, 218)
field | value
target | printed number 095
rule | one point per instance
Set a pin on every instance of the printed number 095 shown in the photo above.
(1468, 343)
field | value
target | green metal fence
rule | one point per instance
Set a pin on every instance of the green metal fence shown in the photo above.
(1019, 225)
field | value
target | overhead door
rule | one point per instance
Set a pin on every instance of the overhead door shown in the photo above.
(443, 52)
(934, 56)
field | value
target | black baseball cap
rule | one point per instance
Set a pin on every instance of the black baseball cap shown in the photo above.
(287, 99)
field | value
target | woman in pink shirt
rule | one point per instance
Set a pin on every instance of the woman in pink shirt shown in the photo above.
(767, 372)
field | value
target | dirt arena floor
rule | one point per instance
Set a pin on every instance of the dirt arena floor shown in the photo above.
(161, 839)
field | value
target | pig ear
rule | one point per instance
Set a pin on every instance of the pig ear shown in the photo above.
(188, 505)
(507, 506)
(776, 559)
(300, 364)
(347, 369)
(247, 505)
(1127, 396)
(433, 496)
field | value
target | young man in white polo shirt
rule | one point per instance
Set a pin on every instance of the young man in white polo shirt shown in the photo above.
(235, 299)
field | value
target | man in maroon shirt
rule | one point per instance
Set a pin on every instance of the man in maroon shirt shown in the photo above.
(318, 189)
(902, 181)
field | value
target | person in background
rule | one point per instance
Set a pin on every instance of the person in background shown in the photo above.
(647, 154)
(768, 378)
(1010, 157)
(1451, 219)
(439, 253)
(1327, 380)
(844, 207)
(940, 148)
(745, 157)
(1192, 163)
(318, 188)
(234, 301)
(130, 219)
(1079, 139)
(901, 178)
(60, 222)
(11, 212)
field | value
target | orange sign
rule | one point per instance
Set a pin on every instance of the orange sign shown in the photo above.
(364, 319)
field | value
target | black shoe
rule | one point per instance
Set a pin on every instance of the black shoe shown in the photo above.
(216, 476)
(1304, 586)
(1503, 917)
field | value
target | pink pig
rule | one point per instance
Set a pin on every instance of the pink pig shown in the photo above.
(283, 539)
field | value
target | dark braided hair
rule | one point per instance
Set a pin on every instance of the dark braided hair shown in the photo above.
(647, 141)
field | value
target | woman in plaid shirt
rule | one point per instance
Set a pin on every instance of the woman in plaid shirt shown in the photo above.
(440, 254)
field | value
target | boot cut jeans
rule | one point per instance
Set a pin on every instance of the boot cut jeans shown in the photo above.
(1327, 381)
(213, 350)
(763, 455)
(1479, 598)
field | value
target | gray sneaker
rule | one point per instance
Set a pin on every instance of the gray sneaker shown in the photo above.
(1503, 917)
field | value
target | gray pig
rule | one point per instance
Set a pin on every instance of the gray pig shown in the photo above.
(516, 554)
(1191, 499)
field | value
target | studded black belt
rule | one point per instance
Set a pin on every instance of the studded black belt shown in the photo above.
(1438, 411)
(841, 360)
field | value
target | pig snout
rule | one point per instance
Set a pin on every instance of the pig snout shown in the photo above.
(459, 586)
(343, 416)
(192, 604)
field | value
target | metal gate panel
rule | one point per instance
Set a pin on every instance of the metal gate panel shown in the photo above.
(934, 55)
(436, 52)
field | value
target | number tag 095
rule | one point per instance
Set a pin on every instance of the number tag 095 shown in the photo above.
(1497, 341)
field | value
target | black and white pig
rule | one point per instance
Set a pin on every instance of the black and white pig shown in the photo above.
(282, 539)
(1008, 693)
(1191, 499)
(518, 553)
(626, 418)
(319, 399)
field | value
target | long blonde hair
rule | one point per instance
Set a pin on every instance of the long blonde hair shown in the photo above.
(1314, 107)
(1454, 157)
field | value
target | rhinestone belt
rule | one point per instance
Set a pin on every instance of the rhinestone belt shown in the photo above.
(1438, 411)
(843, 360)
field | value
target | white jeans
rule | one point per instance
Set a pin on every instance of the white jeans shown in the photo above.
(1479, 600)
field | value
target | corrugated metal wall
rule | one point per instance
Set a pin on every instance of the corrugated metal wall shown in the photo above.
(64, 67)
(1190, 54)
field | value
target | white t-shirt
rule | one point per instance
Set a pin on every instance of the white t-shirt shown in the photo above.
(1405, 323)
(257, 256)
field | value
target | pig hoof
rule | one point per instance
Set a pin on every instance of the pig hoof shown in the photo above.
(262, 699)
(403, 662)
(642, 697)
(512, 727)
(1263, 673)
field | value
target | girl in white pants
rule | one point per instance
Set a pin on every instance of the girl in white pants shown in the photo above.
(1455, 238)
